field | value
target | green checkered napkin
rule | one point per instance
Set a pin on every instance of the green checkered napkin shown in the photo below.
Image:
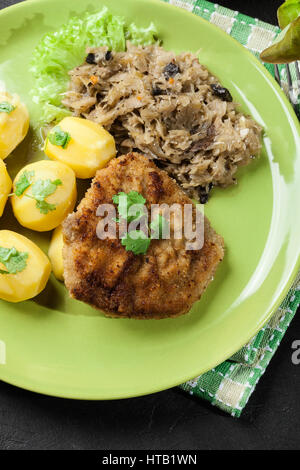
(230, 384)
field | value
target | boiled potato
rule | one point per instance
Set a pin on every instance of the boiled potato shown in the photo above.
(55, 253)
(5, 186)
(14, 123)
(49, 194)
(83, 145)
(27, 267)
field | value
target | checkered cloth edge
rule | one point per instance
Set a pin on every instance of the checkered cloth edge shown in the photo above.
(230, 384)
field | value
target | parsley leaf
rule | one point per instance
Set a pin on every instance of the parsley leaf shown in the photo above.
(13, 260)
(44, 207)
(59, 137)
(125, 201)
(6, 107)
(43, 188)
(23, 182)
(159, 227)
(136, 241)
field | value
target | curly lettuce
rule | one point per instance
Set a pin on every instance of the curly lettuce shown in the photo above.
(64, 49)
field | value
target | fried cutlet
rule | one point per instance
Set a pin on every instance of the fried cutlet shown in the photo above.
(165, 281)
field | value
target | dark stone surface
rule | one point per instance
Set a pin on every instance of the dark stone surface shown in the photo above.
(264, 10)
(170, 419)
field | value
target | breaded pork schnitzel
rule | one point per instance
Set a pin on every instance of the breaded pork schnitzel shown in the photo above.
(165, 281)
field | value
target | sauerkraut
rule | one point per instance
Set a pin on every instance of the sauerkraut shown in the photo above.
(171, 108)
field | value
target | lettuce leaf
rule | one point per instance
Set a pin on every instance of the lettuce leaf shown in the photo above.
(141, 36)
(64, 49)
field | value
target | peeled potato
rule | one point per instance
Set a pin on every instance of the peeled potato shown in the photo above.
(55, 253)
(33, 278)
(14, 125)
(90, 146)
(5, 186)
(64, 197)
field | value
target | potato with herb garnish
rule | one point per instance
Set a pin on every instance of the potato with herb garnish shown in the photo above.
(24, 268)
(81, 144)
(44, 193)
(5, 186)
(55, 253)
(14, 123)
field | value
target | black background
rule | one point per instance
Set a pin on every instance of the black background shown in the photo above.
(170, 419)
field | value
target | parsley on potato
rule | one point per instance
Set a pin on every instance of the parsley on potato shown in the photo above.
(24, 268)
(44, 193)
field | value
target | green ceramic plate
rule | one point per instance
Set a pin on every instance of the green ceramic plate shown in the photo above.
(58, 346)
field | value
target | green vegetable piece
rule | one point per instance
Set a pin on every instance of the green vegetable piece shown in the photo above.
(6, 107)
(159, 227)
(286, 47)
(13, 260)
(51, 113)
(142, 36)
(125, 201)
(59, 137)
(136, 241)
(23, 182)
(288, 12)
(42, 189)
(44, 207)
